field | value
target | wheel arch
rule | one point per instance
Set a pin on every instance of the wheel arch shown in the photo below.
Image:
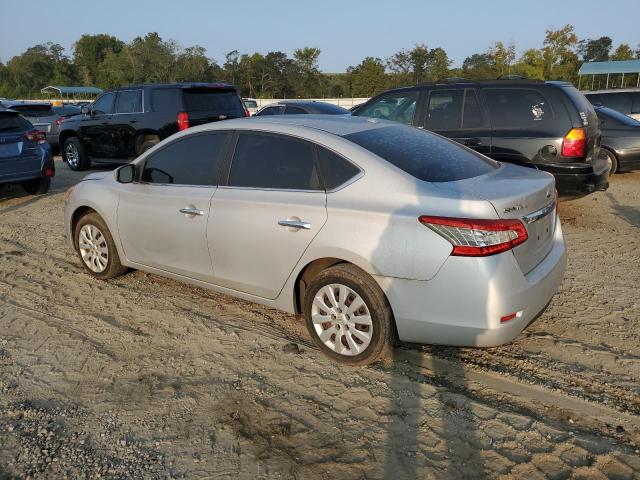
(77, 214)
(65, 135)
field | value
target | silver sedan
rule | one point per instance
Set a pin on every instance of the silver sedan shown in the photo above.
(373, 230)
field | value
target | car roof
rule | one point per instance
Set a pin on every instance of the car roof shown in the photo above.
(216, 85)
(340, 125)
(617, 90)
(17, 103)
(461, 83)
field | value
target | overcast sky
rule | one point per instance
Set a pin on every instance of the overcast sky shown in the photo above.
(346, 31)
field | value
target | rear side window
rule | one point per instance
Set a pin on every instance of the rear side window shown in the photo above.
(334, 169)
(517, 107)
(396, 106)
(289, 110)
(273, 161)
(34, 111)
(271, 111)
(192, 160)
(444, 110)
(222, 102)
(10, 122)
(422, 154)
(129, 101)
(472, 116)
(164, 100)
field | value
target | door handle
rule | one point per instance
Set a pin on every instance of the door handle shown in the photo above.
(191, 211)
(295, 224)
(473, 142)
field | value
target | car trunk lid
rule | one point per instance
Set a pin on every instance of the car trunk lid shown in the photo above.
(523, 194)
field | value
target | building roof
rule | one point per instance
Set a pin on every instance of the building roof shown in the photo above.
(62, 90)
(600, 68)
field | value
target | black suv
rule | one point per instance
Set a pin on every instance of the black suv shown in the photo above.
(545, 125)
(123, 123)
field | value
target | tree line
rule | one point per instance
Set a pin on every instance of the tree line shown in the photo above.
(107, 62)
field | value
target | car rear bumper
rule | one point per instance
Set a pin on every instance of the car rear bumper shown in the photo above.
(463, 304)
(579, 179)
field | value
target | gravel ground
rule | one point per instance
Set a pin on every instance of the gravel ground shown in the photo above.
(144, 377)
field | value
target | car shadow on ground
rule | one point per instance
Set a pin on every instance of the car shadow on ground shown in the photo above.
(629, 214)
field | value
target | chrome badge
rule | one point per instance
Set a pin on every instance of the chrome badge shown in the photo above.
(514, 208)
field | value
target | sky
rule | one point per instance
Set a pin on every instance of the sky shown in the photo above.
(346, 31)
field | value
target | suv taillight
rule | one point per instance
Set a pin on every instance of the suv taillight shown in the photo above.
(574, 143)
(183, 121)
(477, 238)
(246, 110)
(36, 136)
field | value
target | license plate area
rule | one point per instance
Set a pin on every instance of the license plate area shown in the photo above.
(10, 149)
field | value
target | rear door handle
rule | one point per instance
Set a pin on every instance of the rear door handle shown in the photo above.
(295, 224)
(191, 211)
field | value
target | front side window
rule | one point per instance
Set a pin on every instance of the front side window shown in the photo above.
(273, 161)
(129, 101)
(517, 107)
(444, 110)
(396, 106)
(104, 104)
(192, 160)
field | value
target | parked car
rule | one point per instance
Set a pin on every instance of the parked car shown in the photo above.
(358, 224)
(625, 100)
(25, 156)
(124, 123)
(544, 125)
(297, 107)
(620, 139)
(251, 104)
(42, 116)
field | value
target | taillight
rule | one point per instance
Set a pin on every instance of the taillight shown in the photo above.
(246, 111)
(183, 121)
(36, 136)
(477, 238)
(574, 143)
(49, 172)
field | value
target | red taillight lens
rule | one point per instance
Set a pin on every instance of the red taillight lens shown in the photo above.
(574, 143)
(49, 172)
(183, 121)
(36, 136)
(477, 238)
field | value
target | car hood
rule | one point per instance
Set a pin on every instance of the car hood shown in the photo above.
(98, 175)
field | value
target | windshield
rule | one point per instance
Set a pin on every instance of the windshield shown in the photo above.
(422, 154)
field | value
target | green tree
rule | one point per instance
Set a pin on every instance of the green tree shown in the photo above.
(479, 66)
(90, 51)
(438, 64)
(560, 59)
(623, 52)
(368, 78)
(531, 64)
(595, 50)
(307, 81)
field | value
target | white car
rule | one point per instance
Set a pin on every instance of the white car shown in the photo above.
(372, 229)
(251, 104)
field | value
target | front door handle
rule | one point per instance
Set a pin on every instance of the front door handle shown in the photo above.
(191, 211)
(295, 224)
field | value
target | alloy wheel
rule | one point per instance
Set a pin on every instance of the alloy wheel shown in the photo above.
(342, 319)
(72, 155)
(93, 248)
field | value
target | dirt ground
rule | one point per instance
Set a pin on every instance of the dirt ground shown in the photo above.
(144, 377)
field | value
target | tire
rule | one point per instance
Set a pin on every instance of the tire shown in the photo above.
(91, 231)
(348, 281)
(613, 159)
(38, 186)
(147, 145)
(75, 155)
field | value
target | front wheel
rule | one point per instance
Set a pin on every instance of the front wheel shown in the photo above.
(96, 248)
(75, 155)
(348, 316)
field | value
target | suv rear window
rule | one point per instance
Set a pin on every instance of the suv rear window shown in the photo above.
(422, 154)
(224, 102)
(11, 122)
(33, 110)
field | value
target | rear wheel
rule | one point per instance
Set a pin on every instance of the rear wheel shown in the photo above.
(38, 186)
(75, 155)
(348, 316)
(96, 248)
(613, 161)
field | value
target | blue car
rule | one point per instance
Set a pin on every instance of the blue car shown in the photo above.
(25, 155)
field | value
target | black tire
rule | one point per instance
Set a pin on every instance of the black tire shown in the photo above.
(78, 160)
(383, 335)
(113, 267)
(147, 145)
(613, 159)
(38, 186)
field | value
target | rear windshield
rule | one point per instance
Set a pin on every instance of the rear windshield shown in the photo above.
(422, 154)
(33, 110)
(329, 109)
(67, 110)
(223, 102)
(12, 122)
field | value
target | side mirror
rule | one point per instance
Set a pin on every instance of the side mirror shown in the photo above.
(126, 173)
(84, 109)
